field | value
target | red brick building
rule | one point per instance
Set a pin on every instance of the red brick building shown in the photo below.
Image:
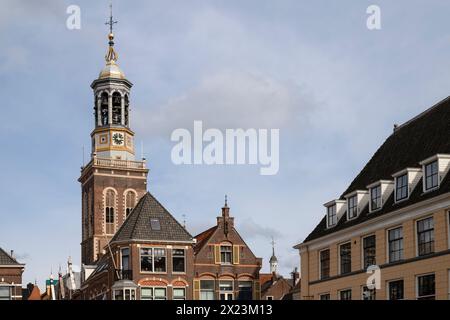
(225, 267)
(10, 277)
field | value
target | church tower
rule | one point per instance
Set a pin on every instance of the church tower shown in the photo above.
(113, 181)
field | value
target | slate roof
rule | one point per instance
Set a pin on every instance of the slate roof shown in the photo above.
(418, 139)
(138, 227)
(6, 259)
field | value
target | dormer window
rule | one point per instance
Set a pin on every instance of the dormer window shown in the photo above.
(331, 216)
(435, 169)
(401, 187)
(356, 202)
(375, 198)
(335, 210)
(352, 207)
(431, 176)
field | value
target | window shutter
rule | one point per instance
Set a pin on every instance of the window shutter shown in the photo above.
(256, 290)
(217, 254)
(236, 254)
(196, 289)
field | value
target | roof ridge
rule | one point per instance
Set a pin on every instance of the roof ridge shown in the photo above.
(437, 104)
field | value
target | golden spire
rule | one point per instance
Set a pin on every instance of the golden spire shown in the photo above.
(111, 56)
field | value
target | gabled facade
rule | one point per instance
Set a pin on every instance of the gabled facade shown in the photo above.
(225, 268)
(10, 277)
(149, 258)
(394, 216)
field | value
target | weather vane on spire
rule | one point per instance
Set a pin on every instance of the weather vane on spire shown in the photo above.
(111, 21)
(111, 56)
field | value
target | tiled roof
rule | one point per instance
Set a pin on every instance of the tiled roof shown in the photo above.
(6, 259)
(203, 238)
(418, 139)
(138, 225)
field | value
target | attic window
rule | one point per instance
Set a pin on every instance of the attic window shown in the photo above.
(352, 207)
(155, 224)
(401, 187)
(375, 198)
(331, 216)
(431, 176)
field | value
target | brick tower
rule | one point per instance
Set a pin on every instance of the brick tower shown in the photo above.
(113, 181)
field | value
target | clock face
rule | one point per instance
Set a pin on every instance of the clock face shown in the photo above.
(118, 138)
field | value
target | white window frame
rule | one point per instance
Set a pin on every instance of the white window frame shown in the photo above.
(388, 282)
(178, 288)
(424, 185)
(416, 229)
(407, 187)
(153, 292)
(267, 298)
(388, 257)
(153, 260)
(320, 263)
(332, 207)
(185, 257)
(417, 283)
(362, 246)
(348, 289)
(370, 198)
(356, 207)
(339, 257)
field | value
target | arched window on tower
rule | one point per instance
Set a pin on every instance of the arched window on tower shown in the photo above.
(127, 105)
(130, 202)
(110, 203)
(116, 108)
(104, 108)
(96, 111)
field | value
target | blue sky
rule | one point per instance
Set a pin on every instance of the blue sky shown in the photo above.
(310, 68)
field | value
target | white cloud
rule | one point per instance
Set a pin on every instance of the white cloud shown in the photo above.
(230, 99)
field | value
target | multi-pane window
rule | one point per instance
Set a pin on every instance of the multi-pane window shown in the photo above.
(425, 236)
(345, 294)
(125, 254)
(369, 251)
(226, 290)
(206, 289)
(125, 294)
(226, 253)
(245, 290)
(395, 237)
(110, 201)
(325, 296)
(375, 198)
(426, 287)
(153, 293)
(153, 260)
(130, 202)
(401, 187)
(325, 264)
(178, 260)
(5, 293)
(369, 294)
(396, 290)
(352, 207)
(331, 216)
(431, 175)
(345, 252)
(179, 293)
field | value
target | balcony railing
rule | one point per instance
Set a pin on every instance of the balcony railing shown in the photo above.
(123, 275)
(117, 163)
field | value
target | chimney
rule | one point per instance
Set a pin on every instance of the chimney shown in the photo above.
(12, 254)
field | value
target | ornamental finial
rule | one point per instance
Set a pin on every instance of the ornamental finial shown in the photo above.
(111, 56)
